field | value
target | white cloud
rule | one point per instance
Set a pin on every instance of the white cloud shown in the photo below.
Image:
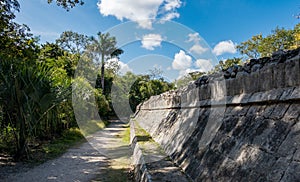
(194, 37)
(124, 68)
(224, 47)
(181, 61)
(185, 72)
(204, 65)
(143, 12)
(172, 4)
(150, 41)
(198, 49)
(169, 17)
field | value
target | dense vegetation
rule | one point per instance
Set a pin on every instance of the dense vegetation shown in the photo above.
(279, 39)
(36, 81)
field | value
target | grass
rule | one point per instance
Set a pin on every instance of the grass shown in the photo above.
(114, 174)
(59, 146)
(69, 138)
(125, 135)
(93, 126)
(56, 147)
(141, 134)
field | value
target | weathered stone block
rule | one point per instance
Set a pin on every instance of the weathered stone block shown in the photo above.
(291, 142)
(292, 173)
(286, 93)
(240, 99)
(278, 169)
(292, 73)
(279, 75)
(295, 94)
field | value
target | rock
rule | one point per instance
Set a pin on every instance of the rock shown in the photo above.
(256, 67)
(233, 75)
(234, 130)
(253, 62)
(292, 53)
(247, 69)
(279, 56)
(264, 60)
(227, 74)
(240, 68)
(278, 53)
(216, 75)
(235, 68)
(201, 81)
(241, 73)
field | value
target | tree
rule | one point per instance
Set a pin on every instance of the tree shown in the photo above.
(296, 36)
(279, 39)
(15, 39)
(103, 49)
(73, 42)
(196, 74)
(67, 4)
(29, 99)
(156, 73)
(224, 65)
(251, 47)
(35, 84)
(144, 87)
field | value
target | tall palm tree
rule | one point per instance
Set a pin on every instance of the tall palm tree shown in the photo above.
(104, 48)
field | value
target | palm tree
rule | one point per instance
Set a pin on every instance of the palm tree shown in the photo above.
(104, 48)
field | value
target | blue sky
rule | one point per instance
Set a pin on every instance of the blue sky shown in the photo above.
(203, 31)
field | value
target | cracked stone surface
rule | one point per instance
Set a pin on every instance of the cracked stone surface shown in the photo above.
(254, 136)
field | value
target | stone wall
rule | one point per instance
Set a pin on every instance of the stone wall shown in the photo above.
(242, 124)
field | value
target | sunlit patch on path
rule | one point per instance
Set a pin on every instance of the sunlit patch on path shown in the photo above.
(108, 159)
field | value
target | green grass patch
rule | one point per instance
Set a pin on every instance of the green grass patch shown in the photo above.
(56, 147)
(141, 134)
(126, 135)
(93, 126)
(115, 175)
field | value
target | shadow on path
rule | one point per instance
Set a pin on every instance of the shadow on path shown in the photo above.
(104, 157)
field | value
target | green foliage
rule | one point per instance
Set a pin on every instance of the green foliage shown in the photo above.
(15, 39)
(126, 135)
(102, 103)
(259, 46)
(144, 87)
(102, 49)
(73, 42)
(35, 83)
(137, 88)
(155, 73)
(92, 126)
(196, 74)
(67, 4)
(88, 100)
(182, 81)
(31, 101)
(228, 63)
(58, 146)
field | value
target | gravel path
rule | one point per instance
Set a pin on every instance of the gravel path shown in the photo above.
(104, 154)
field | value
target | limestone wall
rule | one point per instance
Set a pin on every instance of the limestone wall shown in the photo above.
(242, 124)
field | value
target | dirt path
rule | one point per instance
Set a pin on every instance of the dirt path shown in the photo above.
(105, 157)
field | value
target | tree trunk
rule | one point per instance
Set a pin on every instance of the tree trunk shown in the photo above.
(102, 72)
(20, 125)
